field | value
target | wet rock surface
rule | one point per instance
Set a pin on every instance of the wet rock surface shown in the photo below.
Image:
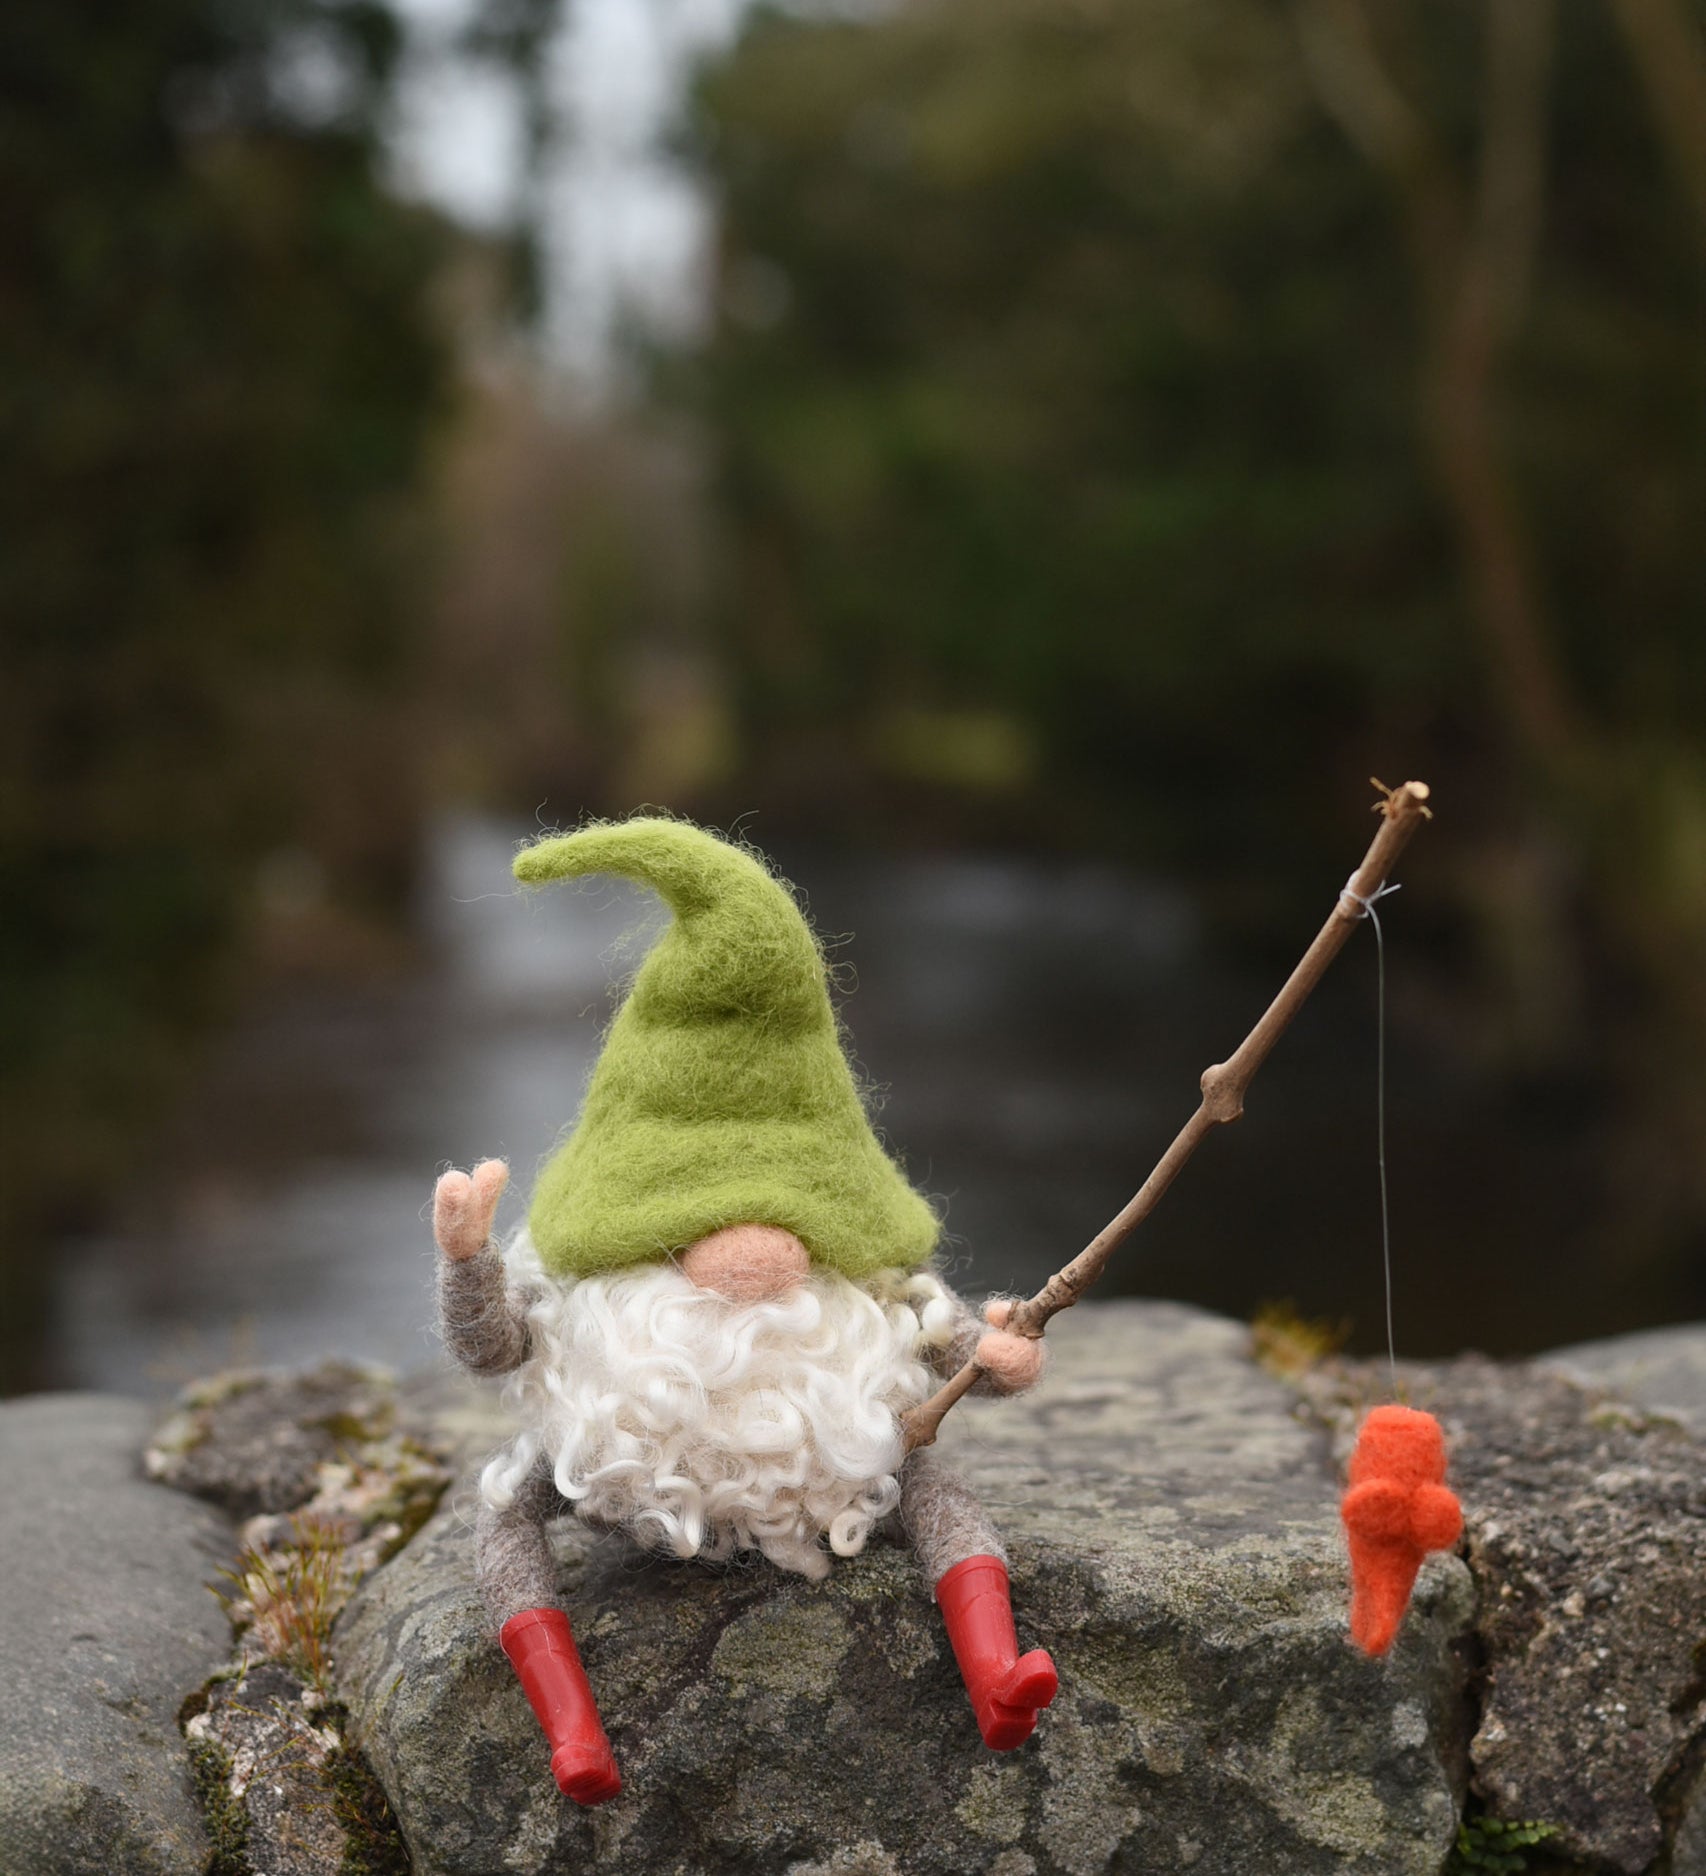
(1175, 1544)
(1585, 1526)
(105, 1625)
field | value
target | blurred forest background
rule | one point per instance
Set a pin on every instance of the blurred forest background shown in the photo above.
(1111, 428)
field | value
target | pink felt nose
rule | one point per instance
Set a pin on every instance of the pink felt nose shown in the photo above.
(747, 1263)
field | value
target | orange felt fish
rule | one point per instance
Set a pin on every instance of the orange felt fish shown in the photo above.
(1397, 1508)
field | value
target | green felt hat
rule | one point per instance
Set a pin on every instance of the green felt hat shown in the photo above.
(722, 1096)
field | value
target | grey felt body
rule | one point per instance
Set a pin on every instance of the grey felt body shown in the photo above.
(484, 1325)
(943, 1517)
(482, 1320)
(513, 1564)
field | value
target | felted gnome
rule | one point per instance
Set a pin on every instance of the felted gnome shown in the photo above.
(721, 1303)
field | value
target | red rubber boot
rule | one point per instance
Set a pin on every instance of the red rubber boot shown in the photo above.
(542, 1652)
(1007, 1689)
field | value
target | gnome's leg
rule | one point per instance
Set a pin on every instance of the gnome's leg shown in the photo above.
(966, 1564)
(513, 1561)
(517, 1575)
(943, 1517)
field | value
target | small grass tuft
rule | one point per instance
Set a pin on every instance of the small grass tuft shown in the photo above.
(1289, 1344)
(289, 1598)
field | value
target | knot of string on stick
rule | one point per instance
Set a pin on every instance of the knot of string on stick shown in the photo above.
(1366, 901)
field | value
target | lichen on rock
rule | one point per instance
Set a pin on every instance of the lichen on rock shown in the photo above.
(338, 1484)
(258, 1441)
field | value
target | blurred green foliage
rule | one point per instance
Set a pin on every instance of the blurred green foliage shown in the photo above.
(218, 370)
(1068, 363)
(1129, 424)
(1056, 374)
(1238, 399)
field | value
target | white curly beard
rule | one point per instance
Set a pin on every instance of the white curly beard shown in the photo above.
(705, 1427)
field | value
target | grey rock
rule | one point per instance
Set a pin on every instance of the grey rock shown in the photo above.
(105, 1625)
(253, 1440)
(270, 1750)
(1176, 1545)
(1593, 1702)
(1661, 1370)
(446, 1408)
(1586, 1528)
(1688, 1851)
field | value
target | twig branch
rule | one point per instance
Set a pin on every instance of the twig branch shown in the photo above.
(1402, 810)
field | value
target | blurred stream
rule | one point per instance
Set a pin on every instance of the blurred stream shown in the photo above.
(1038, 1027)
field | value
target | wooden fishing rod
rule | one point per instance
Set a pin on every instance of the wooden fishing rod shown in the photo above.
(1402, 811)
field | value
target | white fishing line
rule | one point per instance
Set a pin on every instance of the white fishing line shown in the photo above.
(1367, 904)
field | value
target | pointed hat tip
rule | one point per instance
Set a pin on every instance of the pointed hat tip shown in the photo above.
(686, 865)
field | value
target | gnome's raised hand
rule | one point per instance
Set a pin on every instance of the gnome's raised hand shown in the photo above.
(463, 1205)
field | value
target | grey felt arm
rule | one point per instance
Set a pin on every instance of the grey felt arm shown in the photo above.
(484, 1325)
(969, 1329)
